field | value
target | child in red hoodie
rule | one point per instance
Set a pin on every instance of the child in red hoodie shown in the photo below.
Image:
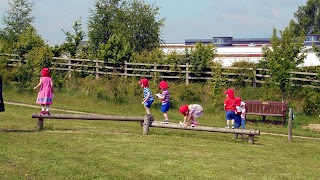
(229, 107)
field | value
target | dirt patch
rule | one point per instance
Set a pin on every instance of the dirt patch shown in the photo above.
(314, 127)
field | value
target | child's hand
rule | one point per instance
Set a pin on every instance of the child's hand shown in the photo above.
(142, 102)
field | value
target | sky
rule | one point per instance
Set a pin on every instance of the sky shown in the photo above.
(184, 19)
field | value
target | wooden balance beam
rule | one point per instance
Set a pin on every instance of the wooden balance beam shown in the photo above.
(41, 117)
(250, 132)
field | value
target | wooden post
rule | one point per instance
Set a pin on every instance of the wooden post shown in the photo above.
(69, 67)
(187, 74)
(251, 139)
(40, 123)
(290, 125)
(154, 72)
(125, 70)
(146, 124)
(97, 69)
(254, 81)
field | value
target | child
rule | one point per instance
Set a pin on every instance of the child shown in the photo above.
(237, 117)
(165, 98)
(191, 112)
(243, 114)
(45, 94)
(147, 95)
(229, 107)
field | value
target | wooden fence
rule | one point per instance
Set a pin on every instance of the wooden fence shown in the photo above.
(180, 72)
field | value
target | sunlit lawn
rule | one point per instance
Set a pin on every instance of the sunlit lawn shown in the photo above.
(74, 149)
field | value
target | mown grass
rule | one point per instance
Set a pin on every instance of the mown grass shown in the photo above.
(76, 149)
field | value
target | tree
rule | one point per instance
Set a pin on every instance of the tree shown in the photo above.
(141, 28)
(101, 23)
(308, 17)
(18, 18)
(283, 57)
(133, 20)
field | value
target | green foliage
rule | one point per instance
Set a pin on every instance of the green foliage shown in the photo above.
(217, 82)
(27, 41)
(283, 57)
(18, 18)
(134, 20)
(117, 50)
(311, 102)
(307, 18)
(39, 58)
(200, 57)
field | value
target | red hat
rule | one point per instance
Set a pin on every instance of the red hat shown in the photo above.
(237, 101)
(45, 72)
(144, 82)
(230, 93)
(163, 85)
(184, 109)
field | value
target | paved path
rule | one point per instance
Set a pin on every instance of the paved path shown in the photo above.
(79, 112)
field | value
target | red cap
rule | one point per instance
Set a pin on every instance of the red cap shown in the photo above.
(144, 82)
(45, 72)
(184, 109)
(230, 93)
(163, 85)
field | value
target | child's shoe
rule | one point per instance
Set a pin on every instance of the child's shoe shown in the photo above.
(227, 127)
(47, 112)
(232, 126)
(43, 112)
(166, 121)
(181, 123)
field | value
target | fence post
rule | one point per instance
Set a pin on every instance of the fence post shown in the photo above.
(97, 69)
(154, 72)
(187, 73)
(69, 67)
(254, 81)
(125, 69)
(290, 125)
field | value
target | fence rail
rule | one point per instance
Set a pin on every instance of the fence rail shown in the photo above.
(180, 72)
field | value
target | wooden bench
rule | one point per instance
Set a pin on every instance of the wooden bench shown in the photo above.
(86, 117)
(266, 108)
(250, 132)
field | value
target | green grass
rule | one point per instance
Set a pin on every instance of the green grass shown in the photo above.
(73, 149)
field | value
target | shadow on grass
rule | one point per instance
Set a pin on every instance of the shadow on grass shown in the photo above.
(18, 130)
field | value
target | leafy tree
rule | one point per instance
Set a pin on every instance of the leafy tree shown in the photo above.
(141, 28)
(284, 57)
(73, 41)
(308, 17)
(116, 50)
(101, 23)
(133, 20)
(18, 18)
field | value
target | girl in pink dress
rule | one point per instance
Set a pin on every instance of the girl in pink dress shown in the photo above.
(45, 94)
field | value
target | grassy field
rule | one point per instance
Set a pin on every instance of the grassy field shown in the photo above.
(118, 150)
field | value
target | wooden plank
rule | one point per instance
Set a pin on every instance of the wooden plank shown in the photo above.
(89, 117)
(205, 128)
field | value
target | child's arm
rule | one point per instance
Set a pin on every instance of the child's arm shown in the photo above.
(40, 82)
(52, 87)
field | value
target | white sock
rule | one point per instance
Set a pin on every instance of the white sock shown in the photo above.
(42, 108)
(47, 108)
